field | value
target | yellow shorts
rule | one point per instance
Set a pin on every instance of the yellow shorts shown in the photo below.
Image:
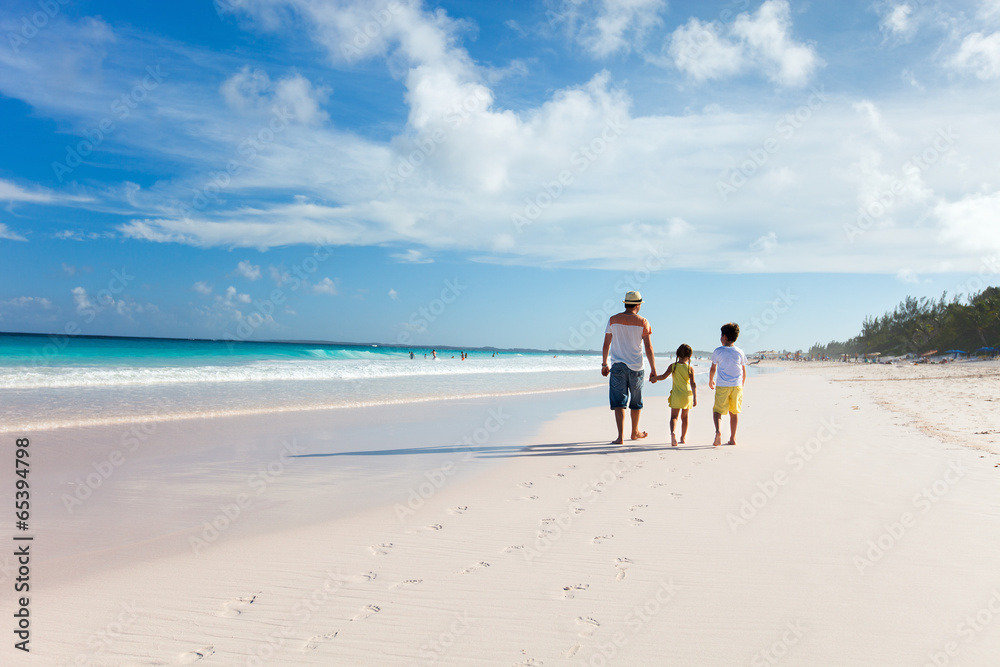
(728, 399)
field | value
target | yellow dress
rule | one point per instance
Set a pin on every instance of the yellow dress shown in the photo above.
(681, 396)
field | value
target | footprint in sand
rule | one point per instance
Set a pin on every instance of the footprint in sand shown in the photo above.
(636, 507)
(234, 608)
(194, 656)
(514, 548)
(472, 568)
(528, 498)
(314, 642)
(546, 531)
(571, 466)
(573, 650)
(368, 576)
(366, 612)
(405, 582)
(526, 485)
(676, 495)
(435, 526)
(530, 662)
(547, 521)
(636, 521)
(578, 510)
(588, 625)
(656, 485)
(569, 592)
(600, 539)
(622, 564)
(461, 509)
(381, 549)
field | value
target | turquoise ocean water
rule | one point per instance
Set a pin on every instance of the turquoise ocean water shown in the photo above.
(56, 381)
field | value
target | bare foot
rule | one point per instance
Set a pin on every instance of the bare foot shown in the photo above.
(673, 440)
(616, 442)
(682, 441)
(718, 440)
(639, 436)
(731, 442)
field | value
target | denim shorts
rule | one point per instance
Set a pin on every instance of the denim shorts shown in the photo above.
(626, 387)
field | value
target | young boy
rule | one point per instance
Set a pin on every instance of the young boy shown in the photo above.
(731, 364)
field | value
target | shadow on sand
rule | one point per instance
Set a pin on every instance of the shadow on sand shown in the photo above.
(496, 452)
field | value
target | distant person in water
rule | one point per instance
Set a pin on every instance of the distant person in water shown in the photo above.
(624, 339)
(411, 354)
(434, 354)
(683, 393)
(731, 364)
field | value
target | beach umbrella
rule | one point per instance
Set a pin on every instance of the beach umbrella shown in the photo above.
(955, 352)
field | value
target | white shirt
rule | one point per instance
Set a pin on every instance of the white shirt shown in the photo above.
(730, 360)
(626, 340)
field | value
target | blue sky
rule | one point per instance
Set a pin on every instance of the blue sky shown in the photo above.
(493, 173)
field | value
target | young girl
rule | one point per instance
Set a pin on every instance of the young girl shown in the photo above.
(683, 394)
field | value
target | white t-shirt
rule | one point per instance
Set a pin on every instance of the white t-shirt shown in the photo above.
(731, 361)
(626, 340)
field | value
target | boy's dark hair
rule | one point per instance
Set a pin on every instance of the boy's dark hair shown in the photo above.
(731, 331)
(684, 351)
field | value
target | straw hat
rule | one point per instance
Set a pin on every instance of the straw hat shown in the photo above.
(632, 298)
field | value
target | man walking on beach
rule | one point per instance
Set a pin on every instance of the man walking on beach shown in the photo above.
(626, 335)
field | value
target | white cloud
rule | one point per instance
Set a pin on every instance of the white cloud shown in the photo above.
(77, 235)
(619, 26)
(393, 294)
(69, 269)
(232, 294)
(907, 276)
(870, 111)
(980, 54)
(82, 300)
(248, 270)
(411, 256)
(766, 35)
(252, 90)
(325, 286)
(971, 222)
(202, 287)
(765, 243)
(897, 20)
(11, 192)
(9, 234)
(698, 50)
(763, 41)
(27, 302)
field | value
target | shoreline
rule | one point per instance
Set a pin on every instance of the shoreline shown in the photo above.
(558, 548)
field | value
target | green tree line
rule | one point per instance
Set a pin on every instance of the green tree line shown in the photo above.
(920, 325)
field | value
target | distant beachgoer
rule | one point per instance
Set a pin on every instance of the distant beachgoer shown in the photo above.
(683, 393)
(624, 339)
(731, 364)
(434, 354)
(411, 354)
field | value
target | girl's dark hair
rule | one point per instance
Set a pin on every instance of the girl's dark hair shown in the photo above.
(684, 351)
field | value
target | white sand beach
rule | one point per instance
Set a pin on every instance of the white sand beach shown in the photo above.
(856, 523)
